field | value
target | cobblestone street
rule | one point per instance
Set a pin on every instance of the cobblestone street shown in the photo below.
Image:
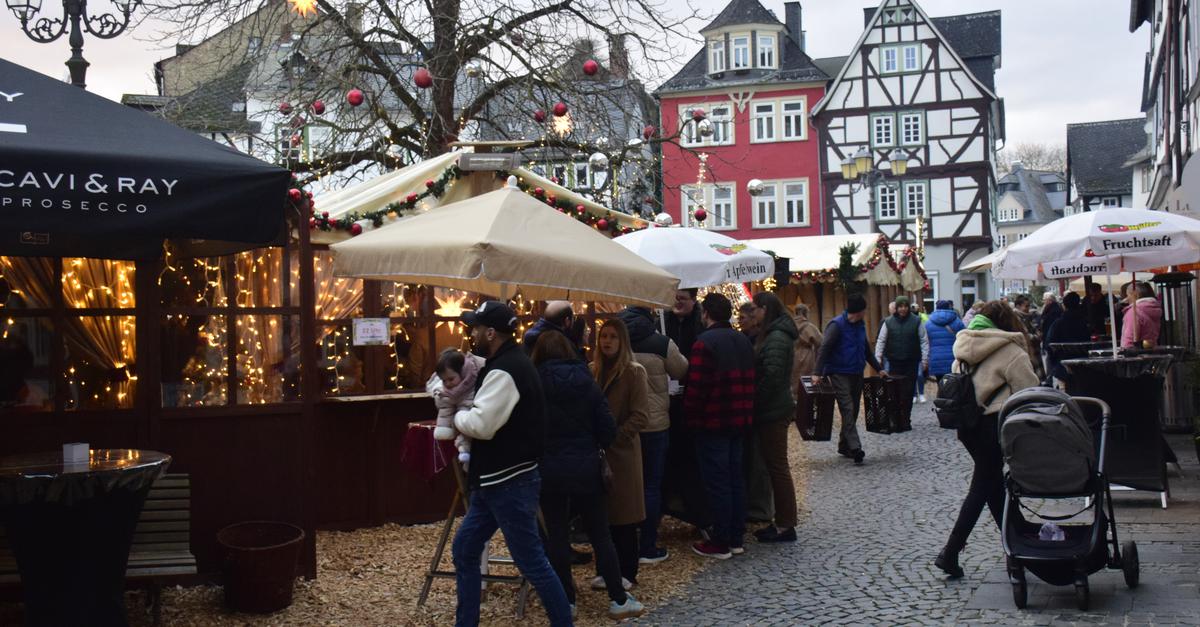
(869, 535)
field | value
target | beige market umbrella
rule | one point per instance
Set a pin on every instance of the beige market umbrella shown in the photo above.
(501, 242)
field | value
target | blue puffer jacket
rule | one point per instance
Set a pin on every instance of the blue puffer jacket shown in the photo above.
(578, 425)
(942, 325)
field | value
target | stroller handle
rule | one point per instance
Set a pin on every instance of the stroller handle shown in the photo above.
(1105, 414)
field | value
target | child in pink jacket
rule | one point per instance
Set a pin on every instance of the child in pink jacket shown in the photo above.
(1149, 316)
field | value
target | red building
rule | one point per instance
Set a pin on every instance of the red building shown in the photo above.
(755, 86)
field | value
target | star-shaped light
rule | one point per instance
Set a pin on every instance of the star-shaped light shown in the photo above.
(303, 7)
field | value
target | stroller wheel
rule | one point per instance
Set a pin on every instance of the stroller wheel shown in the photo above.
(1129, 563)
(1082, 595)
(1020, 594)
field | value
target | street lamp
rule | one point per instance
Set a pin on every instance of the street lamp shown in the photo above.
(860, 169)
(45, 29)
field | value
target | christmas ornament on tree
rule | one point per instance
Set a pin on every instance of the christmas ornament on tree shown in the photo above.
(602, 224)
(539, 116)
(634, 143)
(560, 109)
(318, 107)
(295, 195)
(428, 184)
(285, 108)
(601, 142)
(664, 219)
(704, 127)
(422, 78)
(473, 70)
(698, 114)
(411, 198)
(755, 187)
(355, 229)
(355, 97)
(590, 67)
(598, 161)
(700, 215)
(648, 131)
(580, 209)
(539, 192)
(312, 223)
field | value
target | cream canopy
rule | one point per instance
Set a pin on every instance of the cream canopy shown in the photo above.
(383, 190)
(501, 242)
(820, 253)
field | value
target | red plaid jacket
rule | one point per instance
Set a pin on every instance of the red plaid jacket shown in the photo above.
(720, 384)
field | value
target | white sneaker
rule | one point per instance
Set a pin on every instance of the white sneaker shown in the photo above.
(598, 583)
(922, 398)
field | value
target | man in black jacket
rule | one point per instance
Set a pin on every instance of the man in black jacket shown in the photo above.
(507, 426)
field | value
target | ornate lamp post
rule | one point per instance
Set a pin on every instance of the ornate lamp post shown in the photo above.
(860, 169)
(46, 29)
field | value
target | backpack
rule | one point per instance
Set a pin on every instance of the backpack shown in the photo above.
(955, 405)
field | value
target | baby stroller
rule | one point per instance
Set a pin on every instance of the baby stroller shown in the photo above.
(1049, 447)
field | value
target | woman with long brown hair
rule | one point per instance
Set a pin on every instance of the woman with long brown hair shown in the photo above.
(625, 385)
(773, 408)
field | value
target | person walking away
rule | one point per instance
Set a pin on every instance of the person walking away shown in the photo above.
(719, 409)
(507, 425)
(578, 426)
(843, 356)
(558, 316)
(625, 385)
(807, 343)
(1142, 332)
(904, 345)
(1072, 326)
(941, 329)
(993, 347)
(663, 362)
(774, 408)
(682, 495)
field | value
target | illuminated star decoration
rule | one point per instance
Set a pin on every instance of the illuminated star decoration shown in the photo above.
(303, 7)
(451, 307)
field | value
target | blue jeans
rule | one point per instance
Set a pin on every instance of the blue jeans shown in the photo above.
(654, 460)
(720, 459)
(512, 508)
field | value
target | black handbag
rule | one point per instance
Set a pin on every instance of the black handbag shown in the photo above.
(606, 473)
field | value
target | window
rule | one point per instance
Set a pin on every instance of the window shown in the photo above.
(883, 130)
(887, 60)
(741, 53)
(1021, 236)
(722, 207)
(795, 203)
(764, 122)
(253, 46)
(716, 57)
(719, 116)
(691, 198)
(911, 58)
(721, 119)
(794, 124)
(581, 175)
(887, 202)
(1003, 240)
(765, 213)
(1110, 201)
(1146, 179)
(717, 199)
(916, 198)
(912, 128)
(766, 51)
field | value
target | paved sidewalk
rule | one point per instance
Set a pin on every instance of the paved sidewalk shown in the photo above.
(870, 533)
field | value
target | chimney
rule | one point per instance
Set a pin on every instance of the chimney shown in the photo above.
(618, 57)
(794, 22)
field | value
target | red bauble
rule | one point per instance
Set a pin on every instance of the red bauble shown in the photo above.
(422, 78)
(579, 209)
(355, 97)
(590, 67)
(428, 184)
(296, 121)
(698, 114)
(411, 199)
(648, 131)
(539, 116)
(700, 215)
(551, 199)
(297, 140)
(308, 194)
(325, 215)
(355, 229)
(285, 108)
(602, 224)
(318, 107)
(295, 195)
(312, 223)
(560, 109)
(539, 192)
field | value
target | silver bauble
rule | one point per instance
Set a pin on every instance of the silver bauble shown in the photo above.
(635, 142)
(474, 70)
(598, 161)
(705, 128)
(664, 219)
(755, 187)
(601, 142)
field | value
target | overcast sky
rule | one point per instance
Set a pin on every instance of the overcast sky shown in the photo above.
(1064, 60)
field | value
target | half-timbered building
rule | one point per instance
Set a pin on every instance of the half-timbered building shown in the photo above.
(925, 88)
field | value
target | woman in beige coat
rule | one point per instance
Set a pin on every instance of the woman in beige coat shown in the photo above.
(994, 346)
(624, 383)
(807, 344)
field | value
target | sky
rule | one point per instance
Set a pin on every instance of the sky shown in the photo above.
(1064, 61)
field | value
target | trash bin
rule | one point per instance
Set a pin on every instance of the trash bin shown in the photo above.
(260, 565)
(1178, 407)
(814, 410)
(887, 404)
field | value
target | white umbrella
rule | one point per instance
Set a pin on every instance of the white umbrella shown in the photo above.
(700, 258)
(1103, 242)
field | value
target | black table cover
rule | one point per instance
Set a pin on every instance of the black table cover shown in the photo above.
(70, 527)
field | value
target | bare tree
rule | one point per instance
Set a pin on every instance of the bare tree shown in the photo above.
(1033, 156)
(492, 66)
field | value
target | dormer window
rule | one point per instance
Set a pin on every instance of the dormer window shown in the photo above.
(766, 51)
(741, 52)
(716, 56)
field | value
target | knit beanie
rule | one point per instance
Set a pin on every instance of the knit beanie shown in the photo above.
(901, 300)
(944, 304)
(855, 303)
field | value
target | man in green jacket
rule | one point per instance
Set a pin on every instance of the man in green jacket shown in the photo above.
(904, 344)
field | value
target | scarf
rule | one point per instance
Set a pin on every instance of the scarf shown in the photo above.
(980, 322)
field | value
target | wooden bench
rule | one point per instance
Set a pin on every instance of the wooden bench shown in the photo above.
(161, 549)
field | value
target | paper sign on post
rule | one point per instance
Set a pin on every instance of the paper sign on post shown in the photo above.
(371, 332)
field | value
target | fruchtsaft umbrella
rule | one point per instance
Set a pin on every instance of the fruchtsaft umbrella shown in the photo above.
(502, 242)
(700, 258)
(84, 176)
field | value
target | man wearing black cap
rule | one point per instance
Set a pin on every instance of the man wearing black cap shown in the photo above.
(843, 356)
(507, 429)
